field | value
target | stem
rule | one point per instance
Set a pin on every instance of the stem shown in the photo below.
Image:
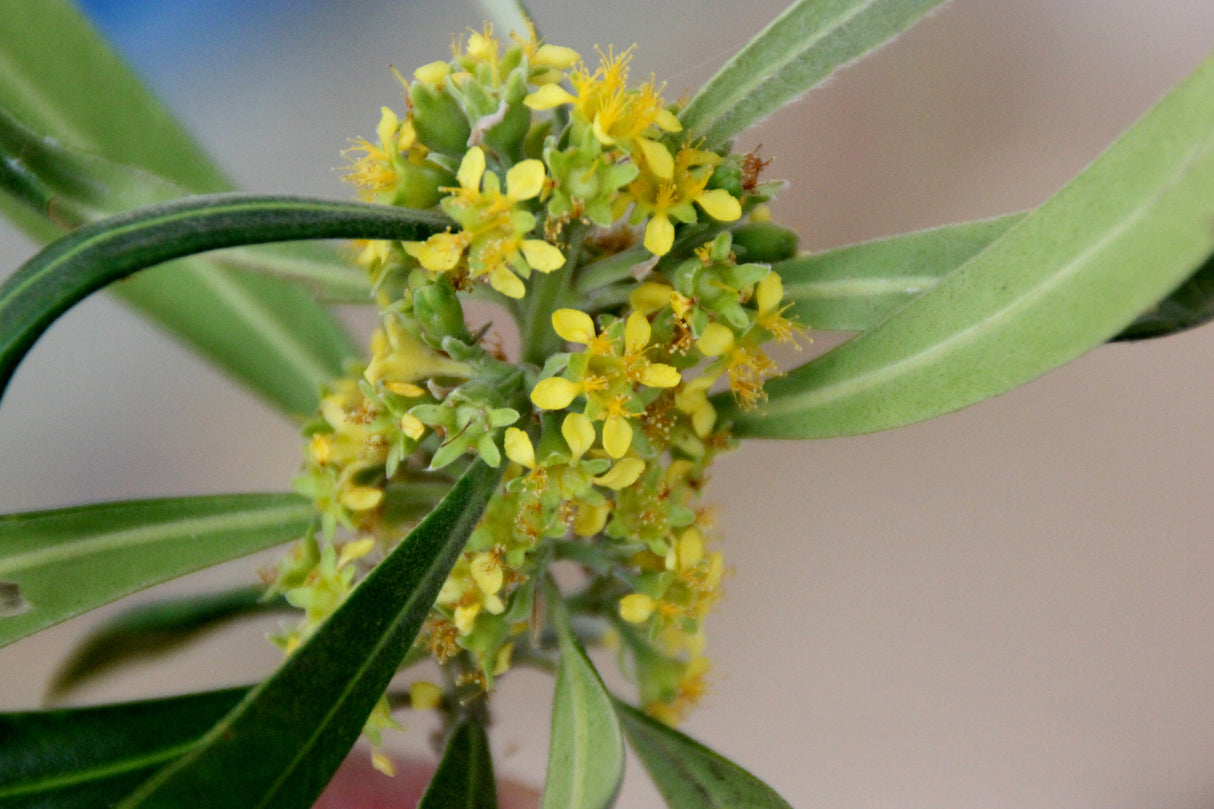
(546, 295)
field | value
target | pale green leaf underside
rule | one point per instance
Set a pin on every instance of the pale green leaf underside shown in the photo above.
(66, 562)
(688, 774)
(59, 78)
(854, 288)
(510, 16)
(795, 52)
(1072, 274)
(586, 752)
(299, 724)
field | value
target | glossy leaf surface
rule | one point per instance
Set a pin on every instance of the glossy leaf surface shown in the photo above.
(60, 83)
(688, 774)
(586, 752)
(464, 778)
(95, 255)
(299, 724)
(84, 758)
(1072, 274)
(795, 52)
(58, 564)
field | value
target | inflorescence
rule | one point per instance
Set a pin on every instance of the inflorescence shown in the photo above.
(636, 264)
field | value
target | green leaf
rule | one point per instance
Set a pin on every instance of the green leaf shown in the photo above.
(796, 51)
(94, 255)
(57, 564)
(150, 630)
(586, 753)
(84, 758)
(298, 725)
(688, 774)
(511, 16)
(856, 287)
(1075, 272)
(464, 779)
(116, 146)
(1190, 306)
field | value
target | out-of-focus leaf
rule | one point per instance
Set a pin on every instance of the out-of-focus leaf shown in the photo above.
(1072, 274)
(158, 628)
(854, 288)
(511, 16)
(85, 758)
(586, 752)
(1190, 306)
(796, 51)
(94, 255)
(298, 725)
(688, 774)
(93, 136)
(464, 778)
(66, 562)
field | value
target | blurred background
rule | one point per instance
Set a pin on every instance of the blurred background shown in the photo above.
(1010, 606)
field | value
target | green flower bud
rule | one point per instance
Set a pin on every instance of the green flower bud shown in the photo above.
(419, 184)
(438, 120)
(764, 241)
(439, 313)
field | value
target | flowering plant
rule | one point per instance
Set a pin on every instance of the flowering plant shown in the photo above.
(491, 507)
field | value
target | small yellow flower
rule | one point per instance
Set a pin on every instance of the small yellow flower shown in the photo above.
(636, 608)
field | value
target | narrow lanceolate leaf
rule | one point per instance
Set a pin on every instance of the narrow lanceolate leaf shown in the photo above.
(688, 774)
(57, 564)
(1189, 306)
(511, 16)
(796, 52)
(95, 255)
(856, 287)
(586, 753)
(84, 758)
(1116, 240)
(464, 778)
(158, 628)
(271, 335)
(299, 724)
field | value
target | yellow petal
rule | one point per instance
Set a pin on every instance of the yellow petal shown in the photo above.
(668, 121)
(555, 393)
(769, 292)
(659, 235)
(464, 617)
(486, 572)
(506, 282)
(354, 550)
(549, 96)
(691, 548)
(649, 297)
(720, 205)
(542, 256)
(716, 340)
(519, 447)
(658, 158)
(660, 375)
(591, 519)
(360, 498)
(573, 325)
(471, 169)
(525, 180)
(432, 73)
(617, 436)
(425, 696)
(624, 473)
(636, 332)
(557, 56)
(440, 253)
(636, 608)
(388, 123)
(579, 434)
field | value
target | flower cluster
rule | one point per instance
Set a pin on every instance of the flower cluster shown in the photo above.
(636, 264)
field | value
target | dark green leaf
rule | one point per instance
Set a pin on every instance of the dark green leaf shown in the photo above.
(150, 630)
(796, 51)
(586, 753)
(86, 758)
(95, 255)
(688, 774)
(298, 725)
(66, 562)
(464, 779)
(1069, 276)
(87, 132)
(854, 288)
(1190, 306)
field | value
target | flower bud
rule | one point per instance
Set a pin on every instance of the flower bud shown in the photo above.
(765, 242)
(438, 311)
(438, 120)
